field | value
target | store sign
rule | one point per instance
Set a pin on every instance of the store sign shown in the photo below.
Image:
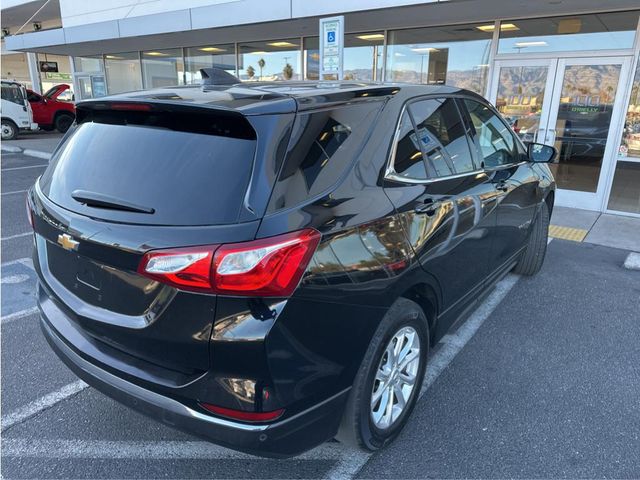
(331, 46)
(65, 77)
(48, 66)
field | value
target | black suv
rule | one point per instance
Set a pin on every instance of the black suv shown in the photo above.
(267, 265)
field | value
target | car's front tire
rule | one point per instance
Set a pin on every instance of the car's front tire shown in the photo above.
(9, 129)
(389, 380)
(531, 261)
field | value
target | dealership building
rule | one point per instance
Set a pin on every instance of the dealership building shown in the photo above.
(562, 72)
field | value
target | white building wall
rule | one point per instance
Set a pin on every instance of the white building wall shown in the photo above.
(83, 12)
(224, 12)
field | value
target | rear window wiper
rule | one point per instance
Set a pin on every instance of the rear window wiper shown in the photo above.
(99, 200)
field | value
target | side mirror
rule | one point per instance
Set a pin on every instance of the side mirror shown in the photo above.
(539, 153)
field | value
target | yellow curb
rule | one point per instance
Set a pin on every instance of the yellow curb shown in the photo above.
(567, 233)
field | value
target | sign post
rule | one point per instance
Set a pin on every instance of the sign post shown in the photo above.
(331, 47)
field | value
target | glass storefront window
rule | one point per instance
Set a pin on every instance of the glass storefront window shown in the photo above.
(270, 60)
(88, 64)
(362, 56)
(162, 68)
(50, 77)
(561, 34)
(454, 55)
(123, 72)
(208, 56)
(625, 190)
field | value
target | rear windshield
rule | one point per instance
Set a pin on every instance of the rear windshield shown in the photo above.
(178, 168)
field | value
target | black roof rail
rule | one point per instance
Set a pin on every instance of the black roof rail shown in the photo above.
(217, 76)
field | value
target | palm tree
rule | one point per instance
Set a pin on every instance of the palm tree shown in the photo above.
(287, 71)
(250, 72)
(261, 64)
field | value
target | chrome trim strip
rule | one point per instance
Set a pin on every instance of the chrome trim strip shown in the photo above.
(414, 181)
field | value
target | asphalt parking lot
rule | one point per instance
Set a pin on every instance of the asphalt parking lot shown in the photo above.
(542, 381)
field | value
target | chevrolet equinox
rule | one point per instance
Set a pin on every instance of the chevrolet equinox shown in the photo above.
(266, 265)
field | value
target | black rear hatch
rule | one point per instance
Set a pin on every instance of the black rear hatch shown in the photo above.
(133, 178)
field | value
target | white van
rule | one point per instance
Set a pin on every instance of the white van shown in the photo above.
(16, 110)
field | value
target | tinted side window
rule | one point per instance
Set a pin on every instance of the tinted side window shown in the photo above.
(323, 145)
(408, 161)
(493, 138)
(442, 136)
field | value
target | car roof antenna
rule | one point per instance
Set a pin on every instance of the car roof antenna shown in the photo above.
(217, 76)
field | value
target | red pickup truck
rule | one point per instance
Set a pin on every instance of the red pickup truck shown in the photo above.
(54, 109)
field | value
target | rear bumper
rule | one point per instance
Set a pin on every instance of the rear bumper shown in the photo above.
(285, 438)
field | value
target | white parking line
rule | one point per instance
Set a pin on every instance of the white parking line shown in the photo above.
(109, 449)
(14, 192)
(42, 404)
(26, 261)
(18, 315)
(18, 235)
(25, 167)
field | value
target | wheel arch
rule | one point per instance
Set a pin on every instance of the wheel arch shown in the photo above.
(425, 296)
(550, 200)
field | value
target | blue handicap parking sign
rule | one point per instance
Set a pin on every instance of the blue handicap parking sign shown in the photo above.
(331, 36)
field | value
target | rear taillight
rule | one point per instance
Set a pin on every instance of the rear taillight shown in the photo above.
(269, 267)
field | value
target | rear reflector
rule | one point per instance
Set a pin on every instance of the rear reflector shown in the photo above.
(266, 267)
(242, 415)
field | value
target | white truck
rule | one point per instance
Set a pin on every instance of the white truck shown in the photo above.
(15, 111)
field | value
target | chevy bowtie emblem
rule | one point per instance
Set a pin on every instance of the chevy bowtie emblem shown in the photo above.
(67, 242)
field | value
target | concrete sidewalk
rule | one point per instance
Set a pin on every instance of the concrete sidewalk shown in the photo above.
(615, 231)
(36, 144)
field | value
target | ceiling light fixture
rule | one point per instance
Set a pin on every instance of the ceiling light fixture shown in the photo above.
(371, 36)
(504, 27)
(282, 44)
(531, 44)
(212, 49)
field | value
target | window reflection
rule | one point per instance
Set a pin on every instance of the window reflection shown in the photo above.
(556, 34)
(123, 72)
(270, 60)
(208, 56)
(162, 68)
(362, 57)
(453, 55)
(625, 190)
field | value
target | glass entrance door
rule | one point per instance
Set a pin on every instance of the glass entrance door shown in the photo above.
(571, 104)
(522, 92)
(90, 86)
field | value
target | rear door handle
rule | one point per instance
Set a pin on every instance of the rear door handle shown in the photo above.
(428, 208)
(502, 187)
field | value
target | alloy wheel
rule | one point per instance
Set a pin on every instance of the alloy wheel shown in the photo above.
(395, 377)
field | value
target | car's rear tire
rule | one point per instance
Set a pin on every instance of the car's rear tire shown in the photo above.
(368, 423)
(9, 129)
(531, 261)
(63, 121)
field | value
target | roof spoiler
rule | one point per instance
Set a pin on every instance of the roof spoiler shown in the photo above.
(217, 76)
